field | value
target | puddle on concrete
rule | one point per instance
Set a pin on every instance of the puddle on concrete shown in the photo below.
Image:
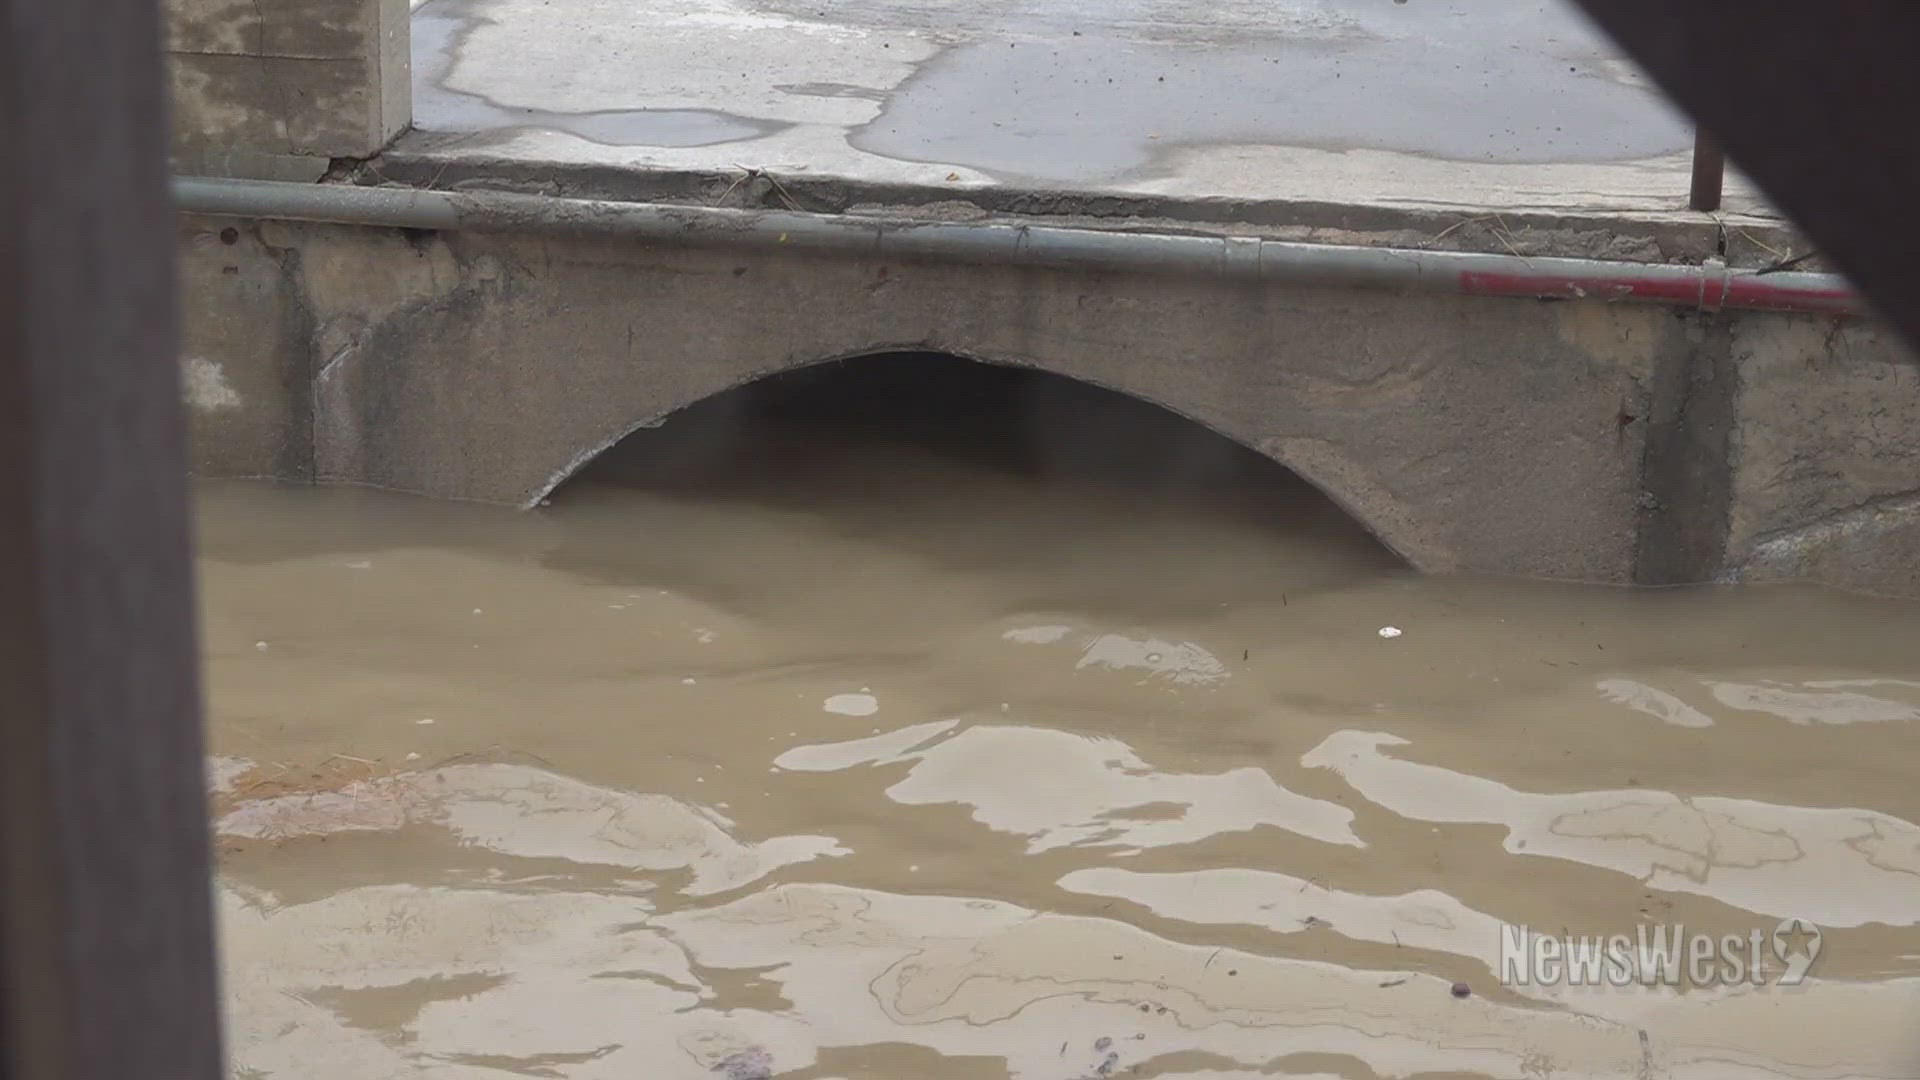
(439, 26)
(1103, 95)
(1083, 92)
(782, 744)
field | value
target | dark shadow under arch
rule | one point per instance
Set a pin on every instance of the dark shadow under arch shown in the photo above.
(911, 425)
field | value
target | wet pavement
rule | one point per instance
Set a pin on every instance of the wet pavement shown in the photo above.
(1432, 103)
(779, 746)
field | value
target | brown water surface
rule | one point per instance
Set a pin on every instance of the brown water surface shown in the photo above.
(818, 736)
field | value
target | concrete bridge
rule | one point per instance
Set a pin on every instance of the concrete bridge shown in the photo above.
(1633, 439)
(1600, 396)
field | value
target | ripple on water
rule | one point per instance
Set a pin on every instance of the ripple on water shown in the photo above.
(909, 771)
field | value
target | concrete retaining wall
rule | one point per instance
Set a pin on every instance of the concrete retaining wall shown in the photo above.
(1567, 440)
(1825, 455)
(276, 89)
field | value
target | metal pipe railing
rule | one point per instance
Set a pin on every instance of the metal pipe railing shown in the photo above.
(1710, 287)
(1709, 172)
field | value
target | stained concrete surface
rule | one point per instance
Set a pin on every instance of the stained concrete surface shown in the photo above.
(276, 89)
(1507, 106)
(489, 368)
(1578, 440)
(440, 107)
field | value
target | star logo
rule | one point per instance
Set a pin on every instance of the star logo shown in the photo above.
(1796, 942)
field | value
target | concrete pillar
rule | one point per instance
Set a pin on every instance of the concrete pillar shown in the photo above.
(275, 89)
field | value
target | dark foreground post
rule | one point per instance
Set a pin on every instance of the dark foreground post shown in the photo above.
(1814, 106)
(1709, 172)
(106, 946)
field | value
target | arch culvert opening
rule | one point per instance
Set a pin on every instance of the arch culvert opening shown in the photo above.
(992, 469)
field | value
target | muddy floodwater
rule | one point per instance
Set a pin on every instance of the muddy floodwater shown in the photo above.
(976, 727)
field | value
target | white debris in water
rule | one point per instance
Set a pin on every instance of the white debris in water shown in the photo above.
(1180, 662)
(852, 704)
(413, 757)
(476, 611)
(704, 635)
(359, 564)
(1640, 697)
(1036, 635)
(688, 681)
(1389, 631)
(424, 720)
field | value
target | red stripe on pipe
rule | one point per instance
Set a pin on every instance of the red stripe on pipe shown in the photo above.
(1704, 290)
(1750, 292)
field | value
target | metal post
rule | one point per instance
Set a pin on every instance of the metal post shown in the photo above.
(1709, 172)
(106, 928)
